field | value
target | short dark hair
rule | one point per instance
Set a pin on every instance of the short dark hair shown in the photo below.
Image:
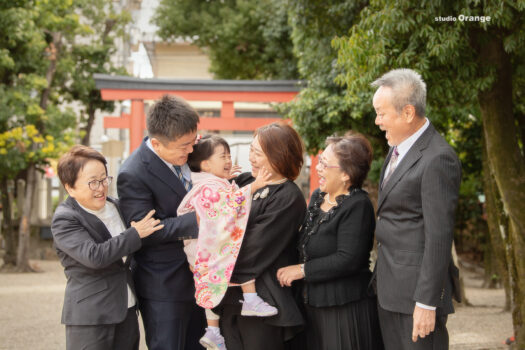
(170, 118)
(354, 155)
(283, 147)
(73, 161)
(204, 149)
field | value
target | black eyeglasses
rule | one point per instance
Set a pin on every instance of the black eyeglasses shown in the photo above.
(95, 184)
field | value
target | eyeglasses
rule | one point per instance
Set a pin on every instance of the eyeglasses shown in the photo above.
(95, 184)
(324, 165)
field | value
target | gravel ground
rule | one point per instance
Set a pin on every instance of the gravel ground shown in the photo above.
(30, 309)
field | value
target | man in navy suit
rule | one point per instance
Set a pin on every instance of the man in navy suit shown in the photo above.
(156, 176)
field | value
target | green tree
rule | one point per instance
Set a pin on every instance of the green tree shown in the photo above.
(472, 68)
(89, 52)
(49, 50)
(245, 39)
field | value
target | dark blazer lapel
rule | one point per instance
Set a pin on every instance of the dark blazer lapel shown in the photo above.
(97, 226)
(159, 169)
(387, 159)
(413, 155)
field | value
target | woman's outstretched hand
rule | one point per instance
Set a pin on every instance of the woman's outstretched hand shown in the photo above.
(262, 179)
(147, 225)
(286, 275)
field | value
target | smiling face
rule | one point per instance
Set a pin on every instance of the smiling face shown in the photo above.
(175, 152)
(258, 159)
(219, 164)
(90, 199)
(397, 126)
(331, 178)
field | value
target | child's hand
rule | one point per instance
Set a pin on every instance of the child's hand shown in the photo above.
(234, 171)
(262, 179)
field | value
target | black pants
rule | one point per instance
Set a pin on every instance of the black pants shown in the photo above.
(397, 332)
(172, 325)
(249, 333)
(122, 336)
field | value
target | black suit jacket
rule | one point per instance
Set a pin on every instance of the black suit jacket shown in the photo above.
(336, 249)
(96, 291)
(160, 268)
(415, 224)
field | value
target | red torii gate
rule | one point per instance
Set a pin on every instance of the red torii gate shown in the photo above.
(119, 88)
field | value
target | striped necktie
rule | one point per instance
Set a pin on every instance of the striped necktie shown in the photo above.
(185, 183)
(393, 164)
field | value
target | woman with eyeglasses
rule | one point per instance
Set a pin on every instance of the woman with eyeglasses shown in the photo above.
(92, 243)
(334, 249)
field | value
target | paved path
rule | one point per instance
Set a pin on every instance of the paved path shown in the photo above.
(30, 309)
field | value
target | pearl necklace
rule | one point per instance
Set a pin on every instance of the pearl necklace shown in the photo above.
(277, 182)
(329, 201)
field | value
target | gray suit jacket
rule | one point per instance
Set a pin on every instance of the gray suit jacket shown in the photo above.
(96, 291)
(415, 224)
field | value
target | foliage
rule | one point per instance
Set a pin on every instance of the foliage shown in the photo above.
(88, 52)
(321, 108)
(22, 146)
(244, 39)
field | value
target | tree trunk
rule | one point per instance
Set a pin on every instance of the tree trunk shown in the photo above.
(89, 125)
(53, 52)
(496, 218)
(24, 231)
(8, 231)
(508, 166)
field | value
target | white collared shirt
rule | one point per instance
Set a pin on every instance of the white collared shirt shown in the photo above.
(110, 217)
(404, 147)
(186, 172)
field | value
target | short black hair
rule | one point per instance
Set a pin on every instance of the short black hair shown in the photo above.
(204, 149)
(170, 118)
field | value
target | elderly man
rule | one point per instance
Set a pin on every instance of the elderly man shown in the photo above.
(418, 195)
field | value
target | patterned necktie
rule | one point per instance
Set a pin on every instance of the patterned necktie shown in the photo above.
(392, 163)
(185, 183)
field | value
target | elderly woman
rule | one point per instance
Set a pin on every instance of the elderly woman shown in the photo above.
(92, 243)
(336, 239)
(277, 211)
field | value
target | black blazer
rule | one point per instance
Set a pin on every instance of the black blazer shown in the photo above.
(336, 249)
(160, 268)
(96, 291)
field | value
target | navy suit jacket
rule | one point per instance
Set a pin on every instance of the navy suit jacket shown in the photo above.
(160, 268)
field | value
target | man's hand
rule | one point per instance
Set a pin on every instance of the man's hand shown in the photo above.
(424, 322)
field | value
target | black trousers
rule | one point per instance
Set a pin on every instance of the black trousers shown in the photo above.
(249, 333)
(397, 332)
(172, 325)
(122, 336)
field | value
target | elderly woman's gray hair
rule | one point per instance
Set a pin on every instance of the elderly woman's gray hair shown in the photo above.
(408, 88)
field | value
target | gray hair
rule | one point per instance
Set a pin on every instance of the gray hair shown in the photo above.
(170, 118)
(408, 88)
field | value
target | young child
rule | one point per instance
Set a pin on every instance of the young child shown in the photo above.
(223, 209)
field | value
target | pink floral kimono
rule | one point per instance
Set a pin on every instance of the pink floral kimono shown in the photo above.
(223, 210)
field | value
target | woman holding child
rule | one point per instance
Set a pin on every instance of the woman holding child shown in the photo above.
(277, 211)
